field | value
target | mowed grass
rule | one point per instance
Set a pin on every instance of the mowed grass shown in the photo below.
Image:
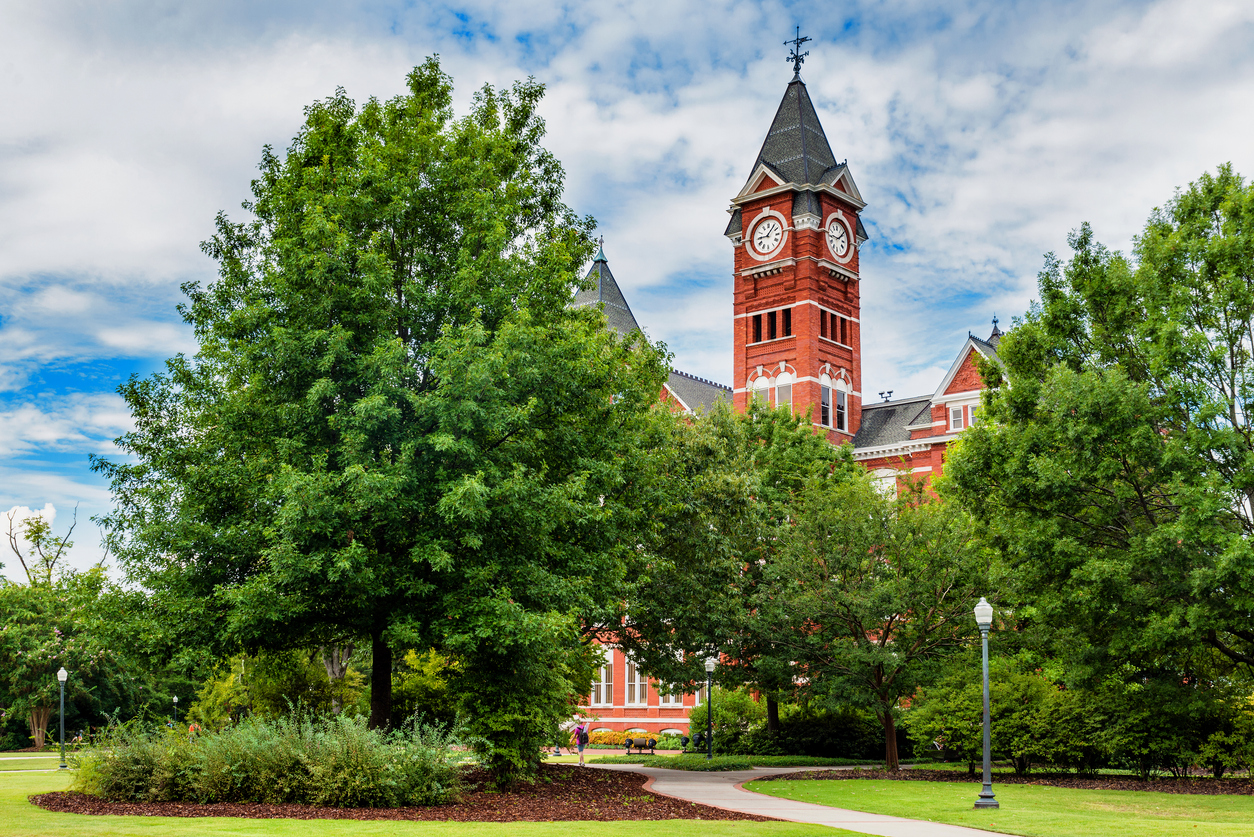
(1032, 810)
(18, 818)
(34, 763)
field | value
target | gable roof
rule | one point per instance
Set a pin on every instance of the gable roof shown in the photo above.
(973, 343)
(696, 395)
(887, 422)
(601, 287)
(795, 146)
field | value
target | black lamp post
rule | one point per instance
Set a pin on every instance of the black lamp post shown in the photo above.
(710, 662)
(62, 676)
(176, 710)
(984, 618)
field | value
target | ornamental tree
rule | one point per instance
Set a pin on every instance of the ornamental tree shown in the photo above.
(395, 431)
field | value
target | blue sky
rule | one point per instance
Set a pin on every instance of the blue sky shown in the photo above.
(980, 133)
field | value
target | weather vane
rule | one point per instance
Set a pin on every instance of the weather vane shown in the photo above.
(797, 56)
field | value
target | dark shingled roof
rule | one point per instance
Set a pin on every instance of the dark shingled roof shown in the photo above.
(886, 422)
(698, 394)
(735, 226)
(796, 146)
(601, 288)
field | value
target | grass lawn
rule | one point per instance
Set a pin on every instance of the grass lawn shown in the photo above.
(30, 764)
(1033, 810)
(18, 818)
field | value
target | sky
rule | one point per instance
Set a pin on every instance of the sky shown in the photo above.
(979, 133)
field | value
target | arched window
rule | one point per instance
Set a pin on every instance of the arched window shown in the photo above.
(761, 390)
(783, 391)
(840, 419)
(825, 401)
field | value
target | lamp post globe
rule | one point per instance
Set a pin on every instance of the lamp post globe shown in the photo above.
(984, 620)
(710, 663)
(62, 676)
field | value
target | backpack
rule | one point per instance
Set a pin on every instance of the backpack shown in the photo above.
(582, 735)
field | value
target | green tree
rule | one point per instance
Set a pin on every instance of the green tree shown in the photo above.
(395, 428)
(869, 593)
(1115, 467)
(725, 485)
(44, 627)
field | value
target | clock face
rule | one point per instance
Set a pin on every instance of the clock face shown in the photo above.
(837, 239)
(767, 236)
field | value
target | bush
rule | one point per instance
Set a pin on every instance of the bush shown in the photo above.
(808, 730)
(335, 762)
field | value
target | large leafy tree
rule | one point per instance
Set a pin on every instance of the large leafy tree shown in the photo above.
(727, 485)
(395, 430)
(1115, 469)
(869, 593)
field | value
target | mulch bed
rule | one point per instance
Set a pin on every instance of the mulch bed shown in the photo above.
(563, 792)
(1199, 785)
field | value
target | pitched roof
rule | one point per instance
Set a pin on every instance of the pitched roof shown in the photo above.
(601, 287)
(796, 146)
(696, 394)
(886, 422)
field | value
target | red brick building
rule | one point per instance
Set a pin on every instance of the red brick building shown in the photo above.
(795, 231)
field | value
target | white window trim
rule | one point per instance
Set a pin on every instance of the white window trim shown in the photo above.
(633, 689)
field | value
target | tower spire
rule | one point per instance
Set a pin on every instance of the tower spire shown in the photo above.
(797, 57)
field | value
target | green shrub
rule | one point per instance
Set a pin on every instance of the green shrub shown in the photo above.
(334, 761)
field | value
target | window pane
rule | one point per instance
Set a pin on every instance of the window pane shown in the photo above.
(972, 410)
(825, 412)
(783, 396)
(955, 418)
(787, 322)
(757, 328)
(770, 325)
(840, 410)
(822, 323)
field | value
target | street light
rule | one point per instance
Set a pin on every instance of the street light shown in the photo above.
(984, 618)
(62, 676)
(710, 663)
(176, 710)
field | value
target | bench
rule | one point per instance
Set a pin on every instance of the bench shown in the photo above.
(640, 744)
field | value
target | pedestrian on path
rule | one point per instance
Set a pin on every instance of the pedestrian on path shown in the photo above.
(581, 740)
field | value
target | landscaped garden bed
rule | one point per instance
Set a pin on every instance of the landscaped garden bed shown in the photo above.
(563, 792)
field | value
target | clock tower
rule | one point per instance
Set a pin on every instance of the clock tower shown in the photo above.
(795, 229)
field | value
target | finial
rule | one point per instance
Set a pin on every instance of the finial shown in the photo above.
(797, 56)
(600, 256)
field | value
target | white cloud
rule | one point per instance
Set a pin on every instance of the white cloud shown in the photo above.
(979, 132)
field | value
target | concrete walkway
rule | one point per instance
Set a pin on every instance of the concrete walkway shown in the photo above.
(722, 790)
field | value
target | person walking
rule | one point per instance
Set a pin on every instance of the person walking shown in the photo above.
(581, 740)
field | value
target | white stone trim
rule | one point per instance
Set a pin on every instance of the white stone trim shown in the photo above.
(851, 235)
(794, 305)
(675, 395)
(785, 228)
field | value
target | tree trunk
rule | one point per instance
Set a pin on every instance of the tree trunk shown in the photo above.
(772, 713)
(335, 660)
(890, 741)
(380, 683)
(39, 716)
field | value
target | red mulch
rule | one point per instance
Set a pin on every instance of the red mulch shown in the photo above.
(564, 792)
(1199, 785)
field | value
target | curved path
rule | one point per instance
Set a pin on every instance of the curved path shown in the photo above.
(723, 790)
